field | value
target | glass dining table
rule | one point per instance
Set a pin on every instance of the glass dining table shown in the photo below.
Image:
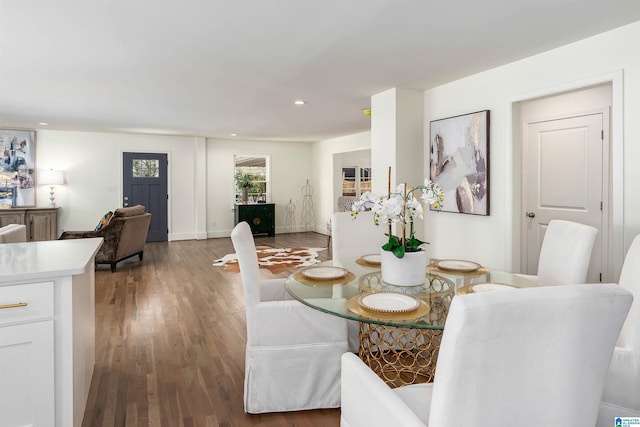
(400, 327)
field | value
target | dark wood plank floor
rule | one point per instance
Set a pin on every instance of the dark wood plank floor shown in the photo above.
(170, 337)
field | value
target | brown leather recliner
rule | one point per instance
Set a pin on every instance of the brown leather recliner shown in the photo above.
(124, 235)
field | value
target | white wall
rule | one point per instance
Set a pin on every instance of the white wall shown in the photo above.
(489, 240)
(361, 158)
(290, 169)
(92, 162)
(200, 177)
(323, 170)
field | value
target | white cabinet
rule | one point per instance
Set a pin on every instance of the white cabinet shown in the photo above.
(26, 370)
(27, 384)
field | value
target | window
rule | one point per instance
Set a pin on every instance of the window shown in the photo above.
(355, 181)
(146, 168)
(257, 170)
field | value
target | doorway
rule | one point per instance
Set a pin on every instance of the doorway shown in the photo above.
(144, 182)
(565, 173)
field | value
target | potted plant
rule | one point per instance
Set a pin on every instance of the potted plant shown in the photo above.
(403, 258)
(244, 181)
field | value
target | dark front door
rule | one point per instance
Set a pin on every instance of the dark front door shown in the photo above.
(144, 182)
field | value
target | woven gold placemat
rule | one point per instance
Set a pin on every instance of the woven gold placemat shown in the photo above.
(353, 306)
(364, 263)
(341, 281)
(474, 273)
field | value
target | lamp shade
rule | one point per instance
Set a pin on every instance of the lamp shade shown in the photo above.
(51, 177)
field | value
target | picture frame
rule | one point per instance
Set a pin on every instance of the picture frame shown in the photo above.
(17, 168)
(459, 162)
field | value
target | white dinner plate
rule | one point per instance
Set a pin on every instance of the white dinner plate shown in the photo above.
(388, 302)
(324, 272)
(375, 259)
(483, 287)
(457, 265)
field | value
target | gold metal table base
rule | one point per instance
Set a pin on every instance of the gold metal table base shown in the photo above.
(400, 356)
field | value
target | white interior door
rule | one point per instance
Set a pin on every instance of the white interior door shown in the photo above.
(564, 180)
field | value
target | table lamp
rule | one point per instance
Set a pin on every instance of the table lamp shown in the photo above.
(51, 177)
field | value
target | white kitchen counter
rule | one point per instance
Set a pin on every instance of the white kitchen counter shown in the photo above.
(45, 260)
(47, 331)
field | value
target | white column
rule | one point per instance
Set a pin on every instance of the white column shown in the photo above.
(397, 131)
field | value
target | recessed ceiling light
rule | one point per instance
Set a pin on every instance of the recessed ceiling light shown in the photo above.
(43, 124)
(234, 134)
(299, 102)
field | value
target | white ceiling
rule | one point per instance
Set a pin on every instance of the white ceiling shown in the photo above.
(212, 68)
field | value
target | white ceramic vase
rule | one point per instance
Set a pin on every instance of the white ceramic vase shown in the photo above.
(409, 270)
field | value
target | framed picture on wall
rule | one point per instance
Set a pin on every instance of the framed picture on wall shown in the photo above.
(459, 162)
(17, 173)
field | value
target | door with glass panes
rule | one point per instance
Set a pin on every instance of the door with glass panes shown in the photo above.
(144, 182)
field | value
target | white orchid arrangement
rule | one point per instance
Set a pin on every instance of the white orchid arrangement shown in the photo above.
(400, 207)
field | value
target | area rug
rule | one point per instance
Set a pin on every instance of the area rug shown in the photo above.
(276, 260)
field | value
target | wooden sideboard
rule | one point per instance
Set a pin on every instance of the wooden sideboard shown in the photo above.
(42, 223)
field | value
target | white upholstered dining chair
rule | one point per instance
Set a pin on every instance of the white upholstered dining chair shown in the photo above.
(353, 237)
(621, 397)
(528, 357)
(565, 254)
(292, 359)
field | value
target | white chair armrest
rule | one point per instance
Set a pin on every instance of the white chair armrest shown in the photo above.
(368, 401)
(418, 398)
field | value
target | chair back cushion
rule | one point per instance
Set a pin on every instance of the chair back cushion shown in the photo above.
(129, 211)
(566, 253)
(527, 357)
(630, 280)
(245, 248)
(353, 237)
(621, 396)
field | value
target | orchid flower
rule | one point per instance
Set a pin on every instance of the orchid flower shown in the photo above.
(402, 208)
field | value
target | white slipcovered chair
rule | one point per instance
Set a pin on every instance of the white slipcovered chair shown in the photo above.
(565, 254)
(292, 359)
(621, 397)
(528, 357)
(353, 237)
(13, 233)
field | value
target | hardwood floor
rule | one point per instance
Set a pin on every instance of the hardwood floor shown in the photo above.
(170, 337)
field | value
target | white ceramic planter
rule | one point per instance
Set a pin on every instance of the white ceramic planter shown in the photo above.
(409, 270)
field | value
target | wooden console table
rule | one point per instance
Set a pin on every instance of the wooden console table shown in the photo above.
(42, 223)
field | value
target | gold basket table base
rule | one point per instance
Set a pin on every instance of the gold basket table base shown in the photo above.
(400, 356)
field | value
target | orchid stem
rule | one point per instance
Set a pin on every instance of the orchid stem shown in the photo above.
(404, 213)
(388, 197)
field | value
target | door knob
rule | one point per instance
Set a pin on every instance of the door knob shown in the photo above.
(531, 214)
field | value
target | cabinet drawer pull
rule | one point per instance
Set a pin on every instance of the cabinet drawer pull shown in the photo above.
(19, 304)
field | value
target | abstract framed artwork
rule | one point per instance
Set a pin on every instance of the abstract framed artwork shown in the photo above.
(17, 172)
(459, 162)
